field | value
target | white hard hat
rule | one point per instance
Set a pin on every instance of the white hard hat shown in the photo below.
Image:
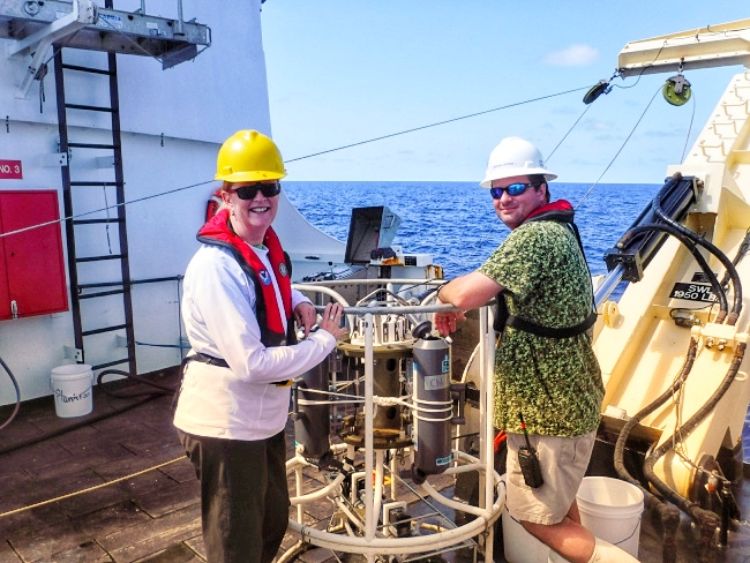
(514, 156)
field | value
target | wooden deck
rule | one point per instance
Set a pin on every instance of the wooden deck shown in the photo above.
(154, 516)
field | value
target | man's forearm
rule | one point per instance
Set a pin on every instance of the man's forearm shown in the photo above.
(469, 291)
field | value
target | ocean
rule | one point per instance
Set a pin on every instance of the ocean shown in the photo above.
(455, 221)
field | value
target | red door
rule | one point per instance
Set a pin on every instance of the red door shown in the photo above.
(32, 270)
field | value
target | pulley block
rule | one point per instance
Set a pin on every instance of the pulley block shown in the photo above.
(601, 87)
(676, 90)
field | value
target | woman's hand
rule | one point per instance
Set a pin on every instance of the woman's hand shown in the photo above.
(331, 321)
(305, 315)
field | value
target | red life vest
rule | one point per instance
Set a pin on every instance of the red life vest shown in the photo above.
(218, 232)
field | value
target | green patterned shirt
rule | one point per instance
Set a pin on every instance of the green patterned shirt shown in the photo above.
(555, 383)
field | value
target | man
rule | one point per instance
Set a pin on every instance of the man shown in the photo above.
(546, 374)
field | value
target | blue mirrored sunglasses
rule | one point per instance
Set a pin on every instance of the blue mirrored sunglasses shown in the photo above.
(514, 189)
(249, 192)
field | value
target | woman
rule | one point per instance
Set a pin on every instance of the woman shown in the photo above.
(233, 404)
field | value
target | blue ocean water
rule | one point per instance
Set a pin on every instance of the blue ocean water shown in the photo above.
(455, 221)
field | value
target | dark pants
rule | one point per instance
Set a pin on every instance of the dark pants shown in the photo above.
(244, 496)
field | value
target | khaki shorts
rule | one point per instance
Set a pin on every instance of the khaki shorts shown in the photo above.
(563, 462)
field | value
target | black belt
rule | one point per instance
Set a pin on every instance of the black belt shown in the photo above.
(206, 359)
(222, 363)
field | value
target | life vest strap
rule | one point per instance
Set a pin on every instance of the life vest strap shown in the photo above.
(551, 332)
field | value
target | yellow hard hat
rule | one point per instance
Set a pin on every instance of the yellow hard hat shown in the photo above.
(249, 156)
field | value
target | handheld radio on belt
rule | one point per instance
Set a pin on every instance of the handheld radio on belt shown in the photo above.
(528, 461)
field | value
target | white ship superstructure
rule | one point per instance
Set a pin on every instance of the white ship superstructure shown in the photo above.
(182, 83)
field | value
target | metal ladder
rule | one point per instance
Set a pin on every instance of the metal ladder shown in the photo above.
(117, 291)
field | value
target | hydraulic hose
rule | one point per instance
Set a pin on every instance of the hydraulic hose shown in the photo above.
(731, 270)
(698, 514)
(160, 389)
(85, 421)
(624, 434)
(737, 301)
(14, 381)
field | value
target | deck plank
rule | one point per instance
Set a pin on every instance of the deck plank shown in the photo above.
(7, 555)
(155, 517)
(157, 534)
(157, 495)
(42, 543)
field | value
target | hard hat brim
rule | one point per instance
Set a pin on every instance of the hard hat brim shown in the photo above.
(249, 176)
(512, 171)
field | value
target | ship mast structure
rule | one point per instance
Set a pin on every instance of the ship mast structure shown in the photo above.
(665, 337)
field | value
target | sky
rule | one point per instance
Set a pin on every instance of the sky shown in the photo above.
(344, 71)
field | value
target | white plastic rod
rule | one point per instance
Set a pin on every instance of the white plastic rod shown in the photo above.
(369, 439)
(489, 396)
(298, 487)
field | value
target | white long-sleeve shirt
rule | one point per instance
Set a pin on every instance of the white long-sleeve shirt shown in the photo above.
(240, 402)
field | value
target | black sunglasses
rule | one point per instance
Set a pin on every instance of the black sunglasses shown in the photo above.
(249, 192)
(516, 188)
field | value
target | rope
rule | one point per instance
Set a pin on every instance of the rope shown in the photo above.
(89, 489)
(690, 129)
(570, 130)
(129, 202)
(436, 124)
(617, 154)
(311, 155)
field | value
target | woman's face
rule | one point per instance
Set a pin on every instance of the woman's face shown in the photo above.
(252, 211)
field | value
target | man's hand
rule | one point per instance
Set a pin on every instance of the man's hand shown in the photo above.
(305, 315)
(446, 322)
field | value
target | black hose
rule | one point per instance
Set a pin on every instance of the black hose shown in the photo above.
(731, 270)
(84, 422)
(14, 381)
(160, 389)
(624, 434)
(693, 509)
(737, 304)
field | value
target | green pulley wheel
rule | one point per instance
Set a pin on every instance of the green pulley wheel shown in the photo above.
(676, 90)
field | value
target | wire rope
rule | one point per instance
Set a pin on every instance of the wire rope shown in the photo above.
(619, 150)
(570, 130)
(690, 129)
(311, 155)
(436, 124)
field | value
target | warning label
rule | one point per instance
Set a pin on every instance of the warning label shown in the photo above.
(693, 292)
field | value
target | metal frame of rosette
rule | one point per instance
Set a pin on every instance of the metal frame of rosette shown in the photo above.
(362, 535)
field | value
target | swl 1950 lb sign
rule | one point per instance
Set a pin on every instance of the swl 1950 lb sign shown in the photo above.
(693, 292)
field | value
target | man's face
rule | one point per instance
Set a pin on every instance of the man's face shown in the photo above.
(513, 209)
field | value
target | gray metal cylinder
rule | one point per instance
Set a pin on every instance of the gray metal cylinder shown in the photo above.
(312, 424)
(431, 395)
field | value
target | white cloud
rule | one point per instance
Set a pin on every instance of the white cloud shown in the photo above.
(575, 55)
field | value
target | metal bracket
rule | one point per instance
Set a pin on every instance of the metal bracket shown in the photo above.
(72, 353)
(37, 44)
(56, 159)
(719, 336)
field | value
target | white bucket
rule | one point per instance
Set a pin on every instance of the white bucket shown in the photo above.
(612, 510)
(71, 387)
